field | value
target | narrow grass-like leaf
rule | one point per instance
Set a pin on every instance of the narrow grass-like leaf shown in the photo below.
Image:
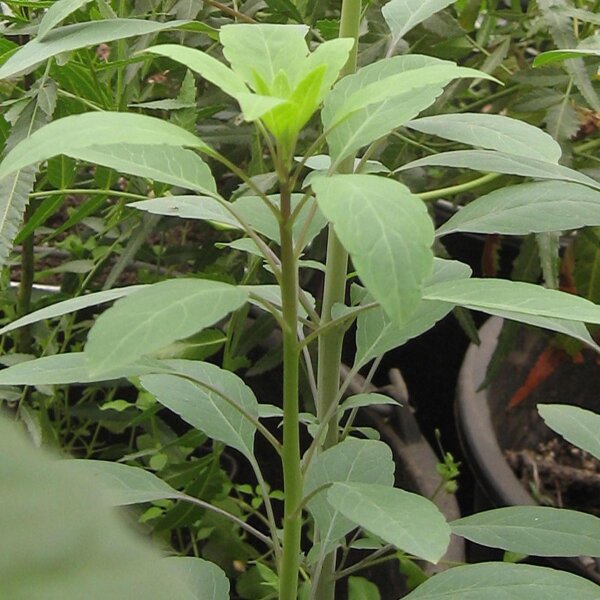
(210, 408)
(392, 254)
(396, 516)
(366, 461)
(79, 35)
(553, 56)
(122, 484)
(71, 305)
(528, 208)
(101, 128)
(499, 162)
(504, 581)
(203, 579)
(577, 425)
(536, 530)
(56, 13)
(155, 316)
(493, 132)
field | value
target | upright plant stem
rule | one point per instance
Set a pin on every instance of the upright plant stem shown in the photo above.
(292, 474)
(26, 287)
(330, 343)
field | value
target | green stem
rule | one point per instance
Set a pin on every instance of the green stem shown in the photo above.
(292, 474)
(452, 190)
(26, 287)
(330, 343)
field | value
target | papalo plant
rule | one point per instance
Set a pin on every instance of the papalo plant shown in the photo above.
(397, 290)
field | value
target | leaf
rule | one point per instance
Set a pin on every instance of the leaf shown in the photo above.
(101, 128)
(353, 460)
(121, 484)
(203, 405)
(169, 164)
(493, 132)
(402, 15)
(498, 162)
(252, 209)
(492, 295)
(203, 579)
(376, 92)
(69, 306)
(553, 56)
(396, 516)
(528, 208)
(361, 400)
(375, 120)
(205, 65)
(64, 542)
(536, 530)
(56, 14)
(392, 254)
(500, 581)
(260, 53)
(586, 251)
(376, 333)
(154, 317)
(65, 368)
(74, 37)
(577, 425)
(360, 588)
(16, 187)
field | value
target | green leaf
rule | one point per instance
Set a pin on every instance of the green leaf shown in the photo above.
(499, 162)
(493, 132)
(376, 333)
(577, 425)
(210, 405)
(71, 305)
(392, 254)
(203, 579)
(375, 120)
(258, 53)
(64, 542)
(553, 56)
(431, 76)
(360, 588)
(56, 14)
(205, 65)
(586, 251)
(101, 128)
(536, 530)
(252, 209)
(169, 164)
(121, 484)
(528, 208)
(79, 35)
(353, 460)
(396, 516)
(489, 295)
(402, 15)
(156, 316)
(500, 581)
(361, 400)
(62, 369)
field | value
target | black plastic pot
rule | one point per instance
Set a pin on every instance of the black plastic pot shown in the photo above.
(496, 483)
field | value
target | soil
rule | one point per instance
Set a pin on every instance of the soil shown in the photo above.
(554, 471)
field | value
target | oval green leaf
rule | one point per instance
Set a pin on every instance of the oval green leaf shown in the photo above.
(577, 425)
(387, 232)
(536, 530)
(203, 579)
(406, 520)
(154, 317)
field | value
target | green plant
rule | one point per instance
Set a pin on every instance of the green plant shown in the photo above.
(341, 481)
